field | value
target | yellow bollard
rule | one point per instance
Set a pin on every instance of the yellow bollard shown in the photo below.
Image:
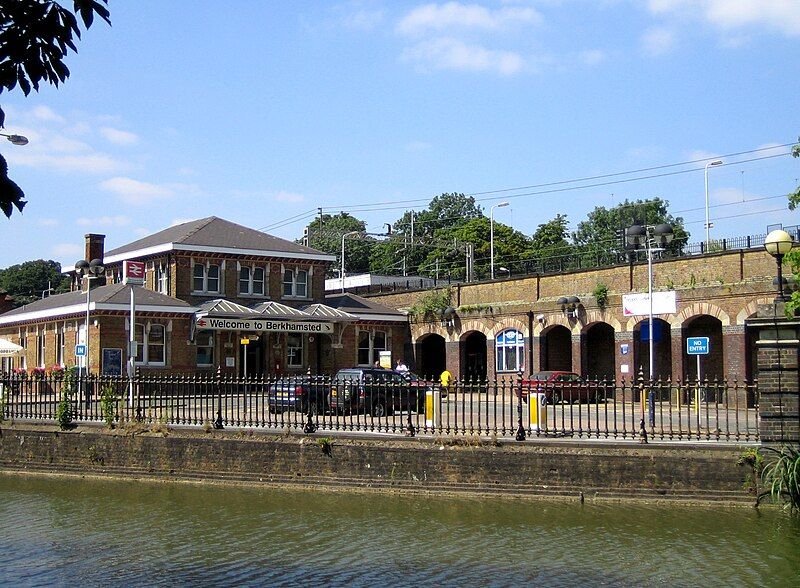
(433, 408)
(537, 411)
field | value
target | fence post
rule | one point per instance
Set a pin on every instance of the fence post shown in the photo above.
(520, 429)
(218, 420)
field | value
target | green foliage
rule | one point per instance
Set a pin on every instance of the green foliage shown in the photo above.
(327, 236)
(432, 302)
(509, 245)
(26, 281)
(599, 232)
(793, 259)
(35, 37)
(794, 197)
(108, 404)
(754, 460)
(551, 239)
(64, 412)
(600, 294)
(781, 477)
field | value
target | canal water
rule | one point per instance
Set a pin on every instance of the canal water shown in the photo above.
(65, 531)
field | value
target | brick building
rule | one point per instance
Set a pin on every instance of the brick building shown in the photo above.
(502, 326)
(195, 272)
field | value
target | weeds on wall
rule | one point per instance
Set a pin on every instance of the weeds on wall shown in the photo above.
(432, 303)
(600, 294)
(754, 461)
(64, 411)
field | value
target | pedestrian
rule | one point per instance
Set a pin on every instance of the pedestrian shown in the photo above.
(377, 364)
(444, 380)
(401, 367)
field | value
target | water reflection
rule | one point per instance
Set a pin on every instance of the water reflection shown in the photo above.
(59, 531)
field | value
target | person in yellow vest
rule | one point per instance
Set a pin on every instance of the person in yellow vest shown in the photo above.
(444, 380)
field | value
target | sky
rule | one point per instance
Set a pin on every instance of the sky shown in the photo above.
(261, 112)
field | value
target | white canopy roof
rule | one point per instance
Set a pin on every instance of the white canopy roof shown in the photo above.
(8, 348)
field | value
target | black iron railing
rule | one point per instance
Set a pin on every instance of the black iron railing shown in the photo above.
(506, 407)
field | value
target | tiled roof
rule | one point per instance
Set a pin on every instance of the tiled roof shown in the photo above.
(215, 232)
(356, 305)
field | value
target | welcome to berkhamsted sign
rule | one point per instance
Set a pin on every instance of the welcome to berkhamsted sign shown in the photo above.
(259, 325)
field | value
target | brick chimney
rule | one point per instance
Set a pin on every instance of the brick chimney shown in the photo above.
(95, 246)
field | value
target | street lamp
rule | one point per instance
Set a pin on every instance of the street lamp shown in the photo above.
(779, 243)
(652, 238)
(18, 140)
(90, 270)
(708, 222)
(491, 235)
(344, 236)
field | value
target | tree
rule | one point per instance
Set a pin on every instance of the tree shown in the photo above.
(794, 197)
(27, 281)
(551, 239)
(510, 246)
(35, 37)
(328, 239)
(793, 257)
(600, 234)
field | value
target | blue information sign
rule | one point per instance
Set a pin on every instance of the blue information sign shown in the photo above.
(80, 350)
(697, 345)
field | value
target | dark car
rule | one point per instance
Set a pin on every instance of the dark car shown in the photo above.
(376, 391)
(558, 386)
(299, 393)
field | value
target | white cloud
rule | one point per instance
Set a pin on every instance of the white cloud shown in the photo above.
(782, 16)
(658, 40)
(97, 163)
(67, 250)
(454, 15)
(48, 222)
(142, 232)
(104, 221)
(592, 56)
(449, 53)
(119, 137)
(47, 114)
(136, 192)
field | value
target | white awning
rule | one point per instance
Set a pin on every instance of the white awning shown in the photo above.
(7, 348)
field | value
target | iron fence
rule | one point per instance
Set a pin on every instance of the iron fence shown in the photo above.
(502, 408)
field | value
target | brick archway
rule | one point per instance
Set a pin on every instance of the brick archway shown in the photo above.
(750, 309)
(700, 308)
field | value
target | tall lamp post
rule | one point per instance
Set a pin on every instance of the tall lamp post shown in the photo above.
(651, 238)
(708, 221)
(90, 270)
(344, 236)
(491, 235)
(779, 243)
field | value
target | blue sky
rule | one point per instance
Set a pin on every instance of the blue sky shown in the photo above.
(262, 111)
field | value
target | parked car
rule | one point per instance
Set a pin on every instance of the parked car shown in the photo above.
(558, 386)
(299, 393)
(376, 391)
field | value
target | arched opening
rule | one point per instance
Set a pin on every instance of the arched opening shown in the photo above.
(662, 349)
(556, 349)
(473, 358)
(431, 357)
(598, 352)
(711, 365)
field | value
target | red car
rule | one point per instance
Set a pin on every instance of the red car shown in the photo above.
(560, 386)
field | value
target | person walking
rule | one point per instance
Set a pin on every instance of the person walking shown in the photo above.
(444, 380)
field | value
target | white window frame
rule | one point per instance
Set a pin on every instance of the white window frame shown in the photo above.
(209, 337)
(373, 350)
(295, 282)
(61, 343)
(143, 346)
(502, 349)
(161, 278)
(41, 347)
(251, 281)
(205, 277)
(295, 352)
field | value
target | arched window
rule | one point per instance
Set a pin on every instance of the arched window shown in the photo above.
(509, 351)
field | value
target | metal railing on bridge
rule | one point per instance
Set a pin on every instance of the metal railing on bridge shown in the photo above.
(507, 407)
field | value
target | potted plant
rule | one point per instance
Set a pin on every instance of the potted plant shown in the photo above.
(57, 372)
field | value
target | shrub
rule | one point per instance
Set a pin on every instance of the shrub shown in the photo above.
(781, 477)
(64, 412)
(108, 404)
(600, 294)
